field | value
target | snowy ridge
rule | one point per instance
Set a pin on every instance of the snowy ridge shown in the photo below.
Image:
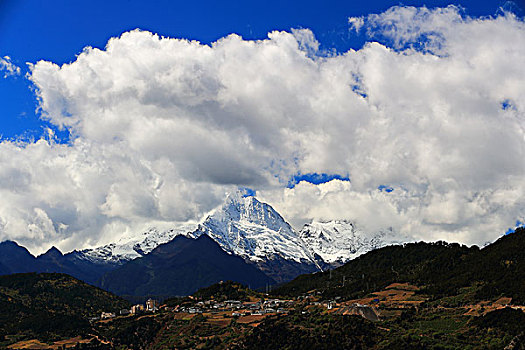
(253, 230)
(339, 241)
(131, 247)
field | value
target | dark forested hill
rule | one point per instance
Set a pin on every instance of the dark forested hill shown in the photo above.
(499, 269)
(48, 305)
(377, 269)
(442, 268)
(181, 267)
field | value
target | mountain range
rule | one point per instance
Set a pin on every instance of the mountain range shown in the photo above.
(17, 259)
(241, 226)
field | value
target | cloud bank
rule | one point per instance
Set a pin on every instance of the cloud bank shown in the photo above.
(431, 107)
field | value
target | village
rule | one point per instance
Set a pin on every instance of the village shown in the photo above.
(383, 304)
(151, 306)
(387, 303)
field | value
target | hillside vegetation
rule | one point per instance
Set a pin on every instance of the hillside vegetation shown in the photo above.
(50, 306)
(442, 269)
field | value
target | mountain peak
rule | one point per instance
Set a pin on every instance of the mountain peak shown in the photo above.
(9, 243)
(239, 207)
(234, 196)
(239, 194)
(246, 227)
(52, 252)
(9, 247)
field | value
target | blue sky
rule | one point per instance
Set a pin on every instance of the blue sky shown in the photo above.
(57, 30)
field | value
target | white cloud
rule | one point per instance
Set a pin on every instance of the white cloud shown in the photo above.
(356, 23)
(163, 127)
(8, 67)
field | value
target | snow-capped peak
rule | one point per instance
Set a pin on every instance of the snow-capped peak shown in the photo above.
(247, 209)
(339, 241)
(253, 230)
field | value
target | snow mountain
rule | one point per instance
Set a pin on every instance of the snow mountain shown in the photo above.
(339, 241)
(254, 231)
(245, 227)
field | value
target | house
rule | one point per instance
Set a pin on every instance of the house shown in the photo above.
(233, 304)
(124, 312)
(329, 304)
(152, 305)
(137, 309)
(195, 310)
(253, 305)
(107, 315)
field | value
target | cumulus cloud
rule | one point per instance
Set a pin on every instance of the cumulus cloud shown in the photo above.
(432, 106)
(8, 67)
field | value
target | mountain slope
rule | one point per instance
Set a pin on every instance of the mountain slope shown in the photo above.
(88, 271)
(442, 268)
(412, 262)
(499, 268)
(4, 270)
(45, 306)
(180, 267)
